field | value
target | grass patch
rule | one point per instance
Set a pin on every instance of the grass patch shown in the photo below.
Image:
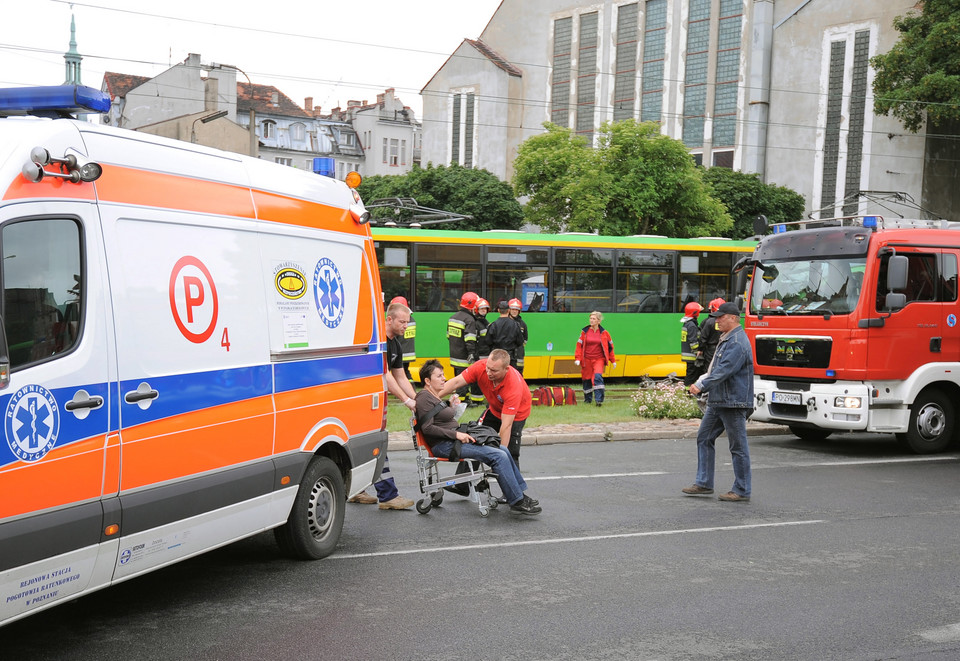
(614, 409)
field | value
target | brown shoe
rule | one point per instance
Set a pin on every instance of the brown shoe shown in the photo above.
(363, 498)
(731, 497)
(696, 490)
(398, 503)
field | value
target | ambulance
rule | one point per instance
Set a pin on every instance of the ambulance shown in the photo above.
(192, 352)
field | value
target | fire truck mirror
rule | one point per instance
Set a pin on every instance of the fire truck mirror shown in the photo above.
(897, 273)
(894, 302)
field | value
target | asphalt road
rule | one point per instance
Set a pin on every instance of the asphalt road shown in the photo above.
(848, 550)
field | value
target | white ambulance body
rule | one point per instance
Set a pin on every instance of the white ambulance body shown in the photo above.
(195, 345)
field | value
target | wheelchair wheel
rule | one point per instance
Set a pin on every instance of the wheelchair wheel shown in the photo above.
(423, 505)
(484, 512)
(437, 498)
(493, 503)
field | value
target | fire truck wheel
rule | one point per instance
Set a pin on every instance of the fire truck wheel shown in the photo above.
(810, 434)
(315, 522)
(931, 423)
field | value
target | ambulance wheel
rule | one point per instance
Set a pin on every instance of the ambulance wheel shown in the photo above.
(423, 505)
(315, 522)
(931, 423)
(437, 498)
(811, 434)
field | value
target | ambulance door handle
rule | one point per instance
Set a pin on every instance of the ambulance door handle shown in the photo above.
(82, 403)
(143, 396)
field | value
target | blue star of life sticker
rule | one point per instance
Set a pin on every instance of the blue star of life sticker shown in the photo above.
(32, 422)
(328, 292)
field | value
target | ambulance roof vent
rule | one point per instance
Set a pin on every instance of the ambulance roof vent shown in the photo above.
(52, 101)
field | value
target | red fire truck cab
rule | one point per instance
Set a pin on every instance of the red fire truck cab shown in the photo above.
(854, 328)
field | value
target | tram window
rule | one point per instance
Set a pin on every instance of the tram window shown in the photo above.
(705, 276)
(516, 272)
(583, 288)
(645, 258)
(644, 291)
(444, 273)
(395, 273)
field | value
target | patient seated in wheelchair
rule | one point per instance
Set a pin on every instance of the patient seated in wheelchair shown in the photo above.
(439, 427)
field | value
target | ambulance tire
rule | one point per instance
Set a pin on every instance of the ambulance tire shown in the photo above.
(315, 522)
(932, 421)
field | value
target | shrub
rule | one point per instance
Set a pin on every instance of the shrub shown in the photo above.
(665, 400)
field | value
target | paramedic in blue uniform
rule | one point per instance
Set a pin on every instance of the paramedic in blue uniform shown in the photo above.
(398, 316)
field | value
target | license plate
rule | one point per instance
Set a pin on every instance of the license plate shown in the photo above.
(787, 398)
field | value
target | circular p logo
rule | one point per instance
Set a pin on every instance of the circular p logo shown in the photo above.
(193, 299)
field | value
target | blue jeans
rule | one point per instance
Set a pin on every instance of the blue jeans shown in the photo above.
(508, 475)
(386, 487)
(715, 421)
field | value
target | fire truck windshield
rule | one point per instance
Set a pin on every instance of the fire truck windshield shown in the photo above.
(822, 286)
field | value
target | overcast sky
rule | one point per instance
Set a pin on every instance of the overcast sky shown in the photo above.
(333, 51)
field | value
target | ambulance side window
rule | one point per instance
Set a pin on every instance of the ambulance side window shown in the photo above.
(42, 302)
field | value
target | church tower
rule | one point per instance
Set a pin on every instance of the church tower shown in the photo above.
(72, 57)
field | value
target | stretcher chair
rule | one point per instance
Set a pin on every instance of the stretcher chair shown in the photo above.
(432, 484)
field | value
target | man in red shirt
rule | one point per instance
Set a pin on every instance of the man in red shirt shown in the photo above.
(507, 395)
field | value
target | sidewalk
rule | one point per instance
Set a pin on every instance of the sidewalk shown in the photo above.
(641, 430)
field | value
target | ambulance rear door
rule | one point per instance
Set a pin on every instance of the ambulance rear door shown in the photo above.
(59, 462)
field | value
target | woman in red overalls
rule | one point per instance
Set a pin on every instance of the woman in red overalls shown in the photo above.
(594, 351)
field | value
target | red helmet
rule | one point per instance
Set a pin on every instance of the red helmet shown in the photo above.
(468, 300)
(515, 304)
(482, 303)
(398, 299)
(715, 303)
(692, 309)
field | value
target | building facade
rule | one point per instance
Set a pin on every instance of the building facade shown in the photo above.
(780, 89)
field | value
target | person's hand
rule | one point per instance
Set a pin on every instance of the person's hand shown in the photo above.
(614, 364)
(694, 389)
(577, 363)
(411, 404)
(465, 437)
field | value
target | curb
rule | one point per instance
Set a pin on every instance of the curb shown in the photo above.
(401, 440)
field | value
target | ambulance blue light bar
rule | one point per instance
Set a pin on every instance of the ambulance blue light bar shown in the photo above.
(53, 101)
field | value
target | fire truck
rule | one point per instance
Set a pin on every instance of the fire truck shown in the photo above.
(854, 328)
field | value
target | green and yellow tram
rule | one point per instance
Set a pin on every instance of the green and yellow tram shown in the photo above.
(639, 283)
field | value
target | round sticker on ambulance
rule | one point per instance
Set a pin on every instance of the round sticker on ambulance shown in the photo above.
(328, 292)
(32, 422)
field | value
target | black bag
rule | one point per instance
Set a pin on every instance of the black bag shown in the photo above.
(484, 435)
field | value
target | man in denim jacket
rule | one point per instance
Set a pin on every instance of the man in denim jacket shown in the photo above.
(729, 387)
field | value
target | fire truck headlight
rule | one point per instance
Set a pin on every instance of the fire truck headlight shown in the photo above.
(847, 403)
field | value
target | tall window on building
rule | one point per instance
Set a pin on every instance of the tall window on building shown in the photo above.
(298, 131)
(858, 98)
(831, 141)
(654, 44)
(625, 77)
(560, 84)
(385, 149)
(403, 152)
(394, 152)
(269, 129)
(463, 128)
(587, 75)
(695, 78)
(728, 73)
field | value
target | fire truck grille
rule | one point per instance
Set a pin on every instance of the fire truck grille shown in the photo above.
(794, 351)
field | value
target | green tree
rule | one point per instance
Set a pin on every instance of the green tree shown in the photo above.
(746, 197)
(468, 191)
(920, 75)
(636, 181)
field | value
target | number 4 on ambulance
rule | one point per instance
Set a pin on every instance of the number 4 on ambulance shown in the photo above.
(235, 312)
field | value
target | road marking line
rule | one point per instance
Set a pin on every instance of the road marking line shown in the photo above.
(901, 460)
(947, 634)
(564, 540)
(590, 477)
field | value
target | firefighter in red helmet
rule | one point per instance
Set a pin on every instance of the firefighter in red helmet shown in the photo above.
(462, 337)
(690, 340)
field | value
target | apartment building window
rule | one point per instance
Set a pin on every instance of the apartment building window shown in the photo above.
(831, 142)
(727, 73)
(385, 147)
(463, 127)
(695, 77)
(394, 152)
(298, 132)
(341, 171)
(625, 77)
(403, 152)
(587, 75)
(560, 84)
(654, 48)
(858, 97)
(269, 129)
(283, 160)
(347, 139)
